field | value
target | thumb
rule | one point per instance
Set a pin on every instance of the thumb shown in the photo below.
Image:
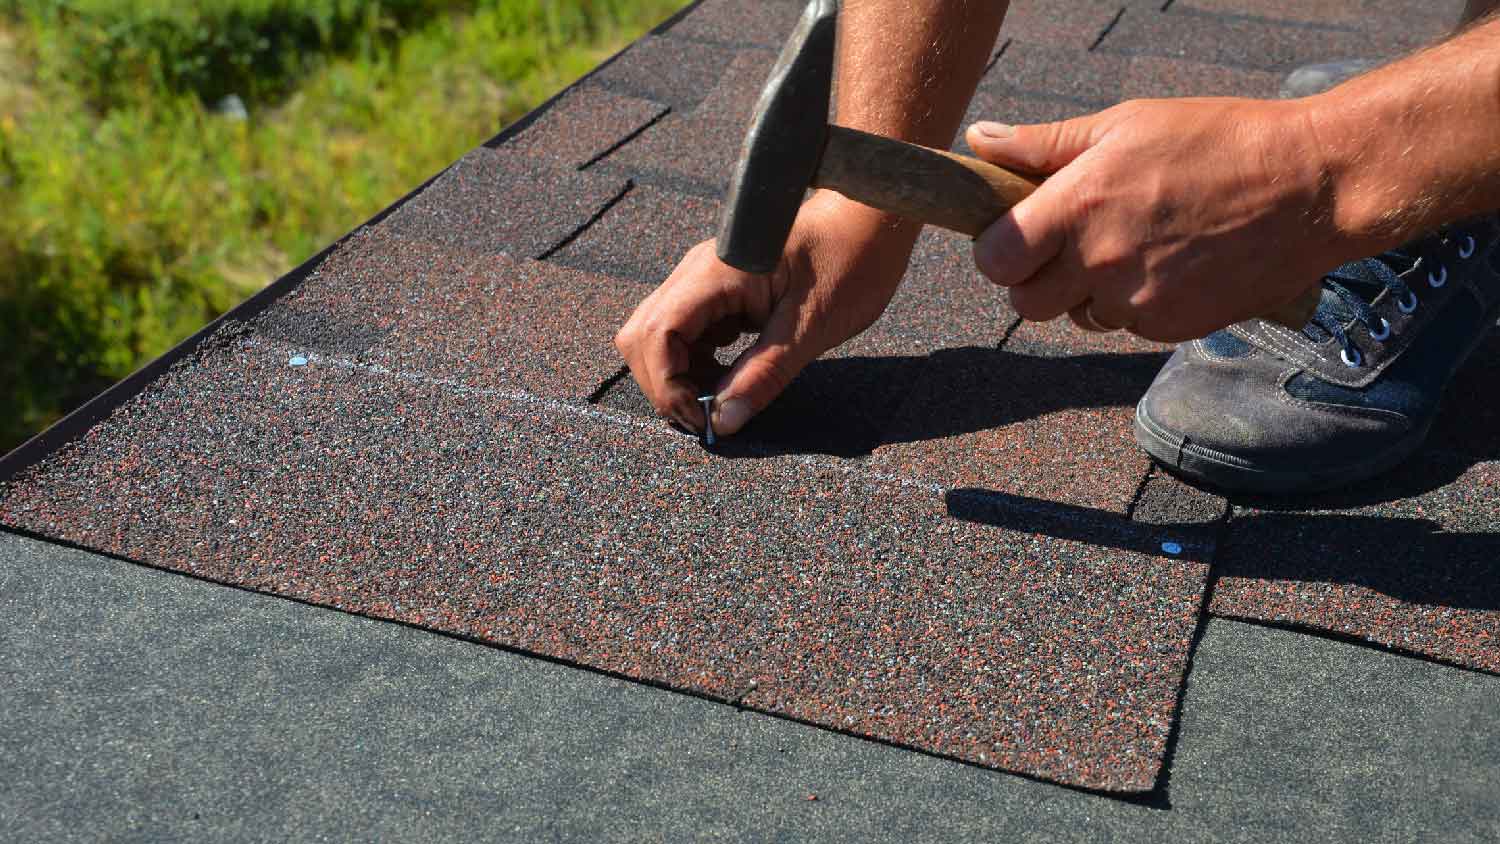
(1027, 237)
(762, 372)
(1041, 148)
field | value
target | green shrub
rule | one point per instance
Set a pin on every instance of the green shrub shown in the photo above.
(110, 50)
(128, 226)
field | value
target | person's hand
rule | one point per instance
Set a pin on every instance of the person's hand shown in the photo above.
(839, 270)
(1168, 218)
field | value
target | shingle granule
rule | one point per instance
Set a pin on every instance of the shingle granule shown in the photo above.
(1233, 41)
(480, 320)
(582, 125)
(765, 23)
(673, 71)
(1410, 561)
(498, 202)
(685, 154)
(848, 600)
(644, 236)
(1074, 24)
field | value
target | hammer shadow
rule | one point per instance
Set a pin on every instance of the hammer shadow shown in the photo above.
(1405, 557)
(849, 406)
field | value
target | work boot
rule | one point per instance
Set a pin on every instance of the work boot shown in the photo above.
(1316, 78)
(1262, 408)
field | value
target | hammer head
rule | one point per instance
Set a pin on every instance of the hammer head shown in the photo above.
(783, 147)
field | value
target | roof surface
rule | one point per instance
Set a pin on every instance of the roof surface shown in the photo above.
(941, 538)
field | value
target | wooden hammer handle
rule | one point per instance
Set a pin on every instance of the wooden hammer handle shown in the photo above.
(955, 192)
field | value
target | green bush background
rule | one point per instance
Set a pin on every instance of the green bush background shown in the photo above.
(132, 210)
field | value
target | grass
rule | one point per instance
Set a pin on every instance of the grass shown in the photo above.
(135, 212)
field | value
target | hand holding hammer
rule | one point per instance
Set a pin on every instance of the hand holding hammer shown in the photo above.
(809, 276)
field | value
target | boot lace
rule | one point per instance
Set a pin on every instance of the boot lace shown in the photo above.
(1350, 290)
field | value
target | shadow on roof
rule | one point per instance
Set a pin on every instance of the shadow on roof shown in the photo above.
(849, 406)
(1410, 559)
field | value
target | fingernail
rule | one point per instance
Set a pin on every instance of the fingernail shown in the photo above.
(731, 416)
(991, 129)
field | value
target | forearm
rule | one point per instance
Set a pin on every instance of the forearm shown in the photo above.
(908, 68)
(1415, 144)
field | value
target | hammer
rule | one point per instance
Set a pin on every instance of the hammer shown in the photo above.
(791, 146)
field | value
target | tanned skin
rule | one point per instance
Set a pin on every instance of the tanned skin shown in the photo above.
(1175, 218)
(843, 261)
(1168, 218)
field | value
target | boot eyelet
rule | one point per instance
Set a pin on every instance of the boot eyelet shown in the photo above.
(1384, 333)
(1438, 280)
(1467, 250)
(1409, 305)
(1351, 362)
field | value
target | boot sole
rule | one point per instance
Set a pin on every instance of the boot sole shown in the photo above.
(1234, 474)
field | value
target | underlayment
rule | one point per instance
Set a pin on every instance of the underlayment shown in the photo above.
(410, 434)
(145, 705)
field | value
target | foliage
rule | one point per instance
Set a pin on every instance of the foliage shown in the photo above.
(134, 212)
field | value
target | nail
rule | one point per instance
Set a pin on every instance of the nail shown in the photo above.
(991, 129)
(733, 414)
(708, 418)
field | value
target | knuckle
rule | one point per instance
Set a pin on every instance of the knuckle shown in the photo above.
(1114, 256)
(704, 252)
(775, 376)
(1088, 198)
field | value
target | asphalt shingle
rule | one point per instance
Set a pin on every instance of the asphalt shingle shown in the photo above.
(1410, 561)
(1165, 500)
(807, 589)
(766, 23)
(686, 154)
(479, 320)
(923, 542)
(495, 202)
(1233, 41)
(1055, 428)
(1051, 70)
(1151, 76)
(584, 124)
(674, 71)
(642, 237)
(734, 98)
(142, 674)
(1075, 24)
(1047, 415)
(1400, 21)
